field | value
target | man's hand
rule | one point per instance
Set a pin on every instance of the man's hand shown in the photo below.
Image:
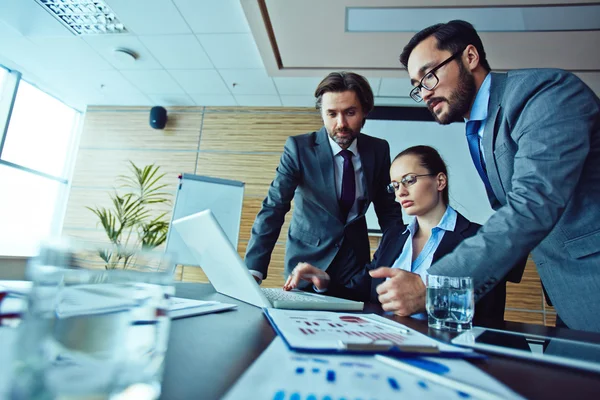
(307, 272)
(403, 293)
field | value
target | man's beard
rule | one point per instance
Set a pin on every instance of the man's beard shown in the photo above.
(343, 142)
(460, 100)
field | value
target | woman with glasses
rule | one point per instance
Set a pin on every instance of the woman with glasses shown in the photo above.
(420, 182)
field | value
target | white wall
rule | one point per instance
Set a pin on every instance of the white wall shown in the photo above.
(467, 192)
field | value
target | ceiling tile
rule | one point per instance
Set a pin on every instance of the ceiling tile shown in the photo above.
(258, 101)
(210, 16)
(8, 32)
(395, 87)
(214, 99)
(30, 19)
(149, 17)
(22, 51)
(177, 51)
(67, 53)
(248, 81)
(200, 81)
(236, 50)
(172, 100)
(298, 101)
(106, 44)
(297, 86)
(124, 99)
(153, 82)
(87, 81)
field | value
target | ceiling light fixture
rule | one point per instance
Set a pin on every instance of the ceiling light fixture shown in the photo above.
(84, 17)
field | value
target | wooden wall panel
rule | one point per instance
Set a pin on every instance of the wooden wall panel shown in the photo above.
(526, 295)
(130, 130)
(254, 132)
(237, 143)
(255, 170)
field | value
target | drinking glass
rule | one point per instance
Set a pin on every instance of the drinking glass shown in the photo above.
(96, 324)
(450, 302)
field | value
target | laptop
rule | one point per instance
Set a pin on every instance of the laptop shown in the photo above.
(228, 274)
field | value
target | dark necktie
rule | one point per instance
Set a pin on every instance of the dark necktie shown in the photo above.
(475, 149)
(348, 184)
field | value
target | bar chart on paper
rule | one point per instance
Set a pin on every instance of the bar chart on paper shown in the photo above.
(321, 331)
(352, 327)
(336, 377)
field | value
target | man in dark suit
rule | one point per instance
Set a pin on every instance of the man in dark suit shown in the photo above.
(534, 136)
(332, 175)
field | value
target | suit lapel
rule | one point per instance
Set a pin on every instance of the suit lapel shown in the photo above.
(325, 159)
(451, 239)
(489, 135)
(389, 258)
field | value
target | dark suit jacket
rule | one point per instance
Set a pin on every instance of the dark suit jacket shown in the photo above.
(317, 230)
(363, 287)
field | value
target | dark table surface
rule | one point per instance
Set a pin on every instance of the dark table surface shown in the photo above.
(208, 353)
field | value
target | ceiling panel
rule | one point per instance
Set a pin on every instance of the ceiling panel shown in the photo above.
(149, 17)
(200, 81)
(123, 99)
(8, 32)
(107, 82)
(30, 19)
(177, 51)
(194, 51)
(248, 81)
(231, 50)
(297, 86)
(22, 51)
(214, 99)
(303, 50)
(258, 101)
(68, 53)
(172, 100)
(210, 16)
(106, 44)
(153, 82)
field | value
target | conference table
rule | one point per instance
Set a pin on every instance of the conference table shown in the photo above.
(207, 354)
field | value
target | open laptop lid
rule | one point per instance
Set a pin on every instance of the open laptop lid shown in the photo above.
(215, 254)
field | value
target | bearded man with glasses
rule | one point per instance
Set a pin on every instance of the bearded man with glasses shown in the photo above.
(534, 136)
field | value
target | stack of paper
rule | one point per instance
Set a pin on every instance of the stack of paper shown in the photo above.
(307, 376)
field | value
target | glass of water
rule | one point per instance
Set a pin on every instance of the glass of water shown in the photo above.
(450, 302)
(96, 324)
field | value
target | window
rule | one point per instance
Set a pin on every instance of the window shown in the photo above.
(36, 152)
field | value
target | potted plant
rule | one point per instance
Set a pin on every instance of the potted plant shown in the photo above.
(132, 222)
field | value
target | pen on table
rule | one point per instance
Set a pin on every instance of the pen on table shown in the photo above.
(439, 379)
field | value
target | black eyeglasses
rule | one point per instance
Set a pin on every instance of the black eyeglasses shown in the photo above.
(407, 181)
(430, 80)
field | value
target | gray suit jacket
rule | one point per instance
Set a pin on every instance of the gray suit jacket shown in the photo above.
(542, 150)
(306, 174)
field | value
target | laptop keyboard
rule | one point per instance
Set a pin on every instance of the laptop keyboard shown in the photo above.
(281, 295)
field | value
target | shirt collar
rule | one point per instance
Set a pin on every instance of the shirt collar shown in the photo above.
(447, 223)
(480, 105)
(335, 148)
